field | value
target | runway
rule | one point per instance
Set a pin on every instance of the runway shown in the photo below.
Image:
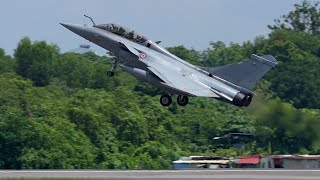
(232, 174)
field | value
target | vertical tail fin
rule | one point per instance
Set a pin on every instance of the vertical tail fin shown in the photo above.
(245, 73)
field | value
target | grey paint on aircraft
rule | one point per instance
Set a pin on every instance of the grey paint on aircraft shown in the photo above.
(149, 62)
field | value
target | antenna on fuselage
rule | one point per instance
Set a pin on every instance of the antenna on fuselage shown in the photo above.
(90, 19)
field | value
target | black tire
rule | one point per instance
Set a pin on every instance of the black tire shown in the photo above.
(110, 74)
(182, 100)
(165, 100)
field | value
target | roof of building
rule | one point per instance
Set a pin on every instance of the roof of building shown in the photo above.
(201, 162)
(297, 157)
(208, 158)
(249, 159)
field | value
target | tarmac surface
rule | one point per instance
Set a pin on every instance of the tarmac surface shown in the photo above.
(232, 174)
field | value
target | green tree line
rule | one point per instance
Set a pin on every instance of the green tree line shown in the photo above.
(62, 111)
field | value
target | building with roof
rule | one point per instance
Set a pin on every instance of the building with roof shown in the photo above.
(255, 161)
(248, 161)
(296, 161)
(279, 161)
(196, 162)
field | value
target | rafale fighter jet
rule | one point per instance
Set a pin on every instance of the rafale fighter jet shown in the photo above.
(148, 61)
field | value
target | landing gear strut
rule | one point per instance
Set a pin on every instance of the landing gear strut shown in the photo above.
(113, 68)
(165, 100)
(182, 100)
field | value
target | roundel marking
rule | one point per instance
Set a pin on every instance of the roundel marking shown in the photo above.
(143, 55)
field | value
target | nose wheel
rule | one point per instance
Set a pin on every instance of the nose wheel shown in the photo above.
(113, 68)
(110, 73)
(165, 100)
(182, 100)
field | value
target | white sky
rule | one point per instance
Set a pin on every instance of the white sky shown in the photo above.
(192, 23)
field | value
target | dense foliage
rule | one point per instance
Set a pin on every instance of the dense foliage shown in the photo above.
(305, 17)
(62, 111)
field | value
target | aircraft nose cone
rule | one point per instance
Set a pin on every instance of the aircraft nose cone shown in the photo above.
(71, 27)
(78, 29)
(65, 25)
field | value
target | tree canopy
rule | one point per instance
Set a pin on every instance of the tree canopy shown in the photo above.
(305, 17)
(62, 111)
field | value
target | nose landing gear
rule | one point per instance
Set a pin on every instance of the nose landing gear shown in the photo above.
(113, 68)
(110, 73)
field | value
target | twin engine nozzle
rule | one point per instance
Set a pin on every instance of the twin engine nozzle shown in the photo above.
(242, 100)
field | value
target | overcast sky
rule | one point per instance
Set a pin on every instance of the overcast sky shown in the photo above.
(192, 23)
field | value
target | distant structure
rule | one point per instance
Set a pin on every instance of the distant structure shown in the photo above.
(254, 161)
(195, 162)
(82, 49)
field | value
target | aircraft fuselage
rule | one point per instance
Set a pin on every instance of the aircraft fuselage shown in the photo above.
(138, 66)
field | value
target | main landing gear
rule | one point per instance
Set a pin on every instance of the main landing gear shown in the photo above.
(182, 100)
(166, 100)
(113, 68)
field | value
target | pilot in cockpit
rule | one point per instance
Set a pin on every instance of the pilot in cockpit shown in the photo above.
(111, 28)
(124, 32)
(116, 29)
(130, 35)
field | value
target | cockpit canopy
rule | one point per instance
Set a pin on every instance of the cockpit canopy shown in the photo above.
(123, 31)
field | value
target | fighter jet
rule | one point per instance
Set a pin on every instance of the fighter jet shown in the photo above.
(148, 61)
